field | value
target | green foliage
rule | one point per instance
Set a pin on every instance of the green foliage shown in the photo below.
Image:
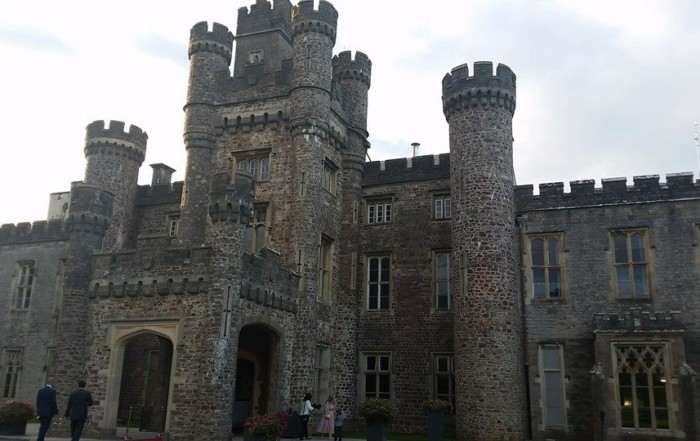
(435, 405)
(15, 412)
(268, 426)
(377, 409)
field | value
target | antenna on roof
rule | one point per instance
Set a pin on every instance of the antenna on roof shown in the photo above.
(415, 146)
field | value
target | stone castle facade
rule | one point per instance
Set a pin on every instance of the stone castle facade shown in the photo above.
(286, 263)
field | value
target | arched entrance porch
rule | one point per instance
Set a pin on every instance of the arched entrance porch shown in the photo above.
(257, 366)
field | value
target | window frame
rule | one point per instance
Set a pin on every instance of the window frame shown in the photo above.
(256, 225)
(11, 370)
(172, 224)
(450, 396)
(547, 268)
(437, 281)
(380, 282)
(255, 162)
(634, 389)
(379, 208)
(325, 269)
(444, 201)
(544, 381)
(324, 359)
(630, 263)
(378, 374)
(22, 292)
(329, 177)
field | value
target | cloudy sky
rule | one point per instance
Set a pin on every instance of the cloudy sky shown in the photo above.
(605, 88)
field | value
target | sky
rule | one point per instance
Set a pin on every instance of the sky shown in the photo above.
(604, 88)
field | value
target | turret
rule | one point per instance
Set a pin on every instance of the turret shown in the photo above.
(114, 157)
(487, 306)
(263, 37)
(210, 56)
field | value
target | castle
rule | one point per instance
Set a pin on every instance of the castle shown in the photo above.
(286, 263)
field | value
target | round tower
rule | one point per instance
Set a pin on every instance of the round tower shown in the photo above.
(210, 55)
(488, 334)
(113, 161)
(313, 37)
(352, 79)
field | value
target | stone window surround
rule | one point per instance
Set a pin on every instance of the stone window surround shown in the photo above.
(261, 157)
(330, 177)
(22, 290)
(646, 237)
(449, 374)
(442, 206)
(10, 380)
(528, 273)
(378, 373)
(542, 370)
(326, 251)
(373, 203)
(380, 282)
(436, 281)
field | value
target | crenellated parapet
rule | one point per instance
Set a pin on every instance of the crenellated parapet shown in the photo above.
(39, 231)
(347, 67)
(614, 191)
(459, 90)
(90, 209)
(180, 285)
(419, 168)
(218, 40)
(253, 122)
(323, 20)
(159, 194)
(637, 320)
(264, 15)
(266, 282)
(114, 140)
(319, 129)
(231, 201)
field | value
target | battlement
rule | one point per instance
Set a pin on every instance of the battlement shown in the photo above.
(638, 320)
(219, 40)
(419, 168)
(307, 19)
(358, 68)
(135, 138)
(159, 194)
(264, 15)
(267, 282)
(613, 191)
(460, 90)
(38, 231)
(258, 121)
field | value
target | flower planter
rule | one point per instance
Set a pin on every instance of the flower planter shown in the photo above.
(377, 431)
(13, 429)
(436, 425)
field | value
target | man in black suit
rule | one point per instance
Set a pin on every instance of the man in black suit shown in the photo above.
(77, 410)
(46, 407)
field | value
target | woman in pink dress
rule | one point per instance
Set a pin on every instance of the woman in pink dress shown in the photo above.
(327, 423)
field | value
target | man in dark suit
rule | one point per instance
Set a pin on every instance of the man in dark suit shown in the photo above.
(46, 407)
(77, 410)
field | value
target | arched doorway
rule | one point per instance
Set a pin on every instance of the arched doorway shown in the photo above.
(255, 390)
(145, 382)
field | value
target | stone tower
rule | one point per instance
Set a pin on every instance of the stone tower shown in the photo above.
(353, 78)
(113, 160)
(488, 324)
(313, 37)
(210, 56)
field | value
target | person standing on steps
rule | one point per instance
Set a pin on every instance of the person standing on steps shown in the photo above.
(46, 407)
(77, 410)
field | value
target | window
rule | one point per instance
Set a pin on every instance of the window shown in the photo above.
(552, 381)
(442, 280)
(11, 364)
(257, 164)
(330, 173)
(173, 224)
(378, 274)
(323, 371)
(50, 366)
(325, 265)
(443, 207)
(256, 232)
(546, 266)
(444, 378)
(226, 312)
(25, 280)
(379, 212)
(641, 376)
(377, 374)
(631, 263)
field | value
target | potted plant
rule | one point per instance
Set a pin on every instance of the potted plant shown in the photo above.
(14, 415)
(265, 427)
(435, 409)
(378, 413)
